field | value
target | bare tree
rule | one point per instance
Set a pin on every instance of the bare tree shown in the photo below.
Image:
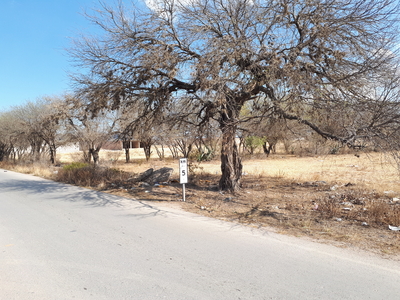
(146, 136)
(28, 123)
(91, 131)
(291, 58)
(383, 118)
(35, 125)
(207, 141)
(53, 123)
(133, 124)
(8, 136)
(125, 128)
(161, 140)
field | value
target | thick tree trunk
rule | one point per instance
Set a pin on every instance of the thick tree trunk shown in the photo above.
(87, 156)
(266, 148)
(147, 151)
(231, 163)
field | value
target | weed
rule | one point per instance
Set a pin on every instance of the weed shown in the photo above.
(194, 168)
(361, 206)
(382, 212)
(330, 207)
(280, 174)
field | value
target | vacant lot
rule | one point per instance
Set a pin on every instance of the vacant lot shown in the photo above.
(372, 170)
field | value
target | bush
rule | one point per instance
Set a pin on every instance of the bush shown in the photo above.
(75, 165)
(83, 174)
(203, 154)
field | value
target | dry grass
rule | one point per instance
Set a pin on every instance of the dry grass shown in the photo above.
(341, 199)
(107, 156)
(374, 171)
(40, 169)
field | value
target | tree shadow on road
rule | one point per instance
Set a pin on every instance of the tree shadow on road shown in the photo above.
(58, 191)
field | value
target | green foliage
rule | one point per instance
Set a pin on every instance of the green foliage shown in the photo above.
(74, 166)
(334, 150)
(202, 155)
(253, 142)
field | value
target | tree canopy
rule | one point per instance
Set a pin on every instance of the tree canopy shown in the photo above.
(301, 60)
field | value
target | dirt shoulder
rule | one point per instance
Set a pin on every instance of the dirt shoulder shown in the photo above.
(345, 215)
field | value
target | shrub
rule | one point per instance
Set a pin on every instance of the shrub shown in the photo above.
(74, 166)
(83, 174)
(206, 154)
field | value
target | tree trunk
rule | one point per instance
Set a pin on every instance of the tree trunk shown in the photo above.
(231, 163)
(87, 156)
(36, 146)
(184, 146)
(147, 143)
(160, 152)
(2, 151)
(174, 150)
(53, 154)
(267, 148)
(38, 151)
(127, 155)
(147, 151)
(95, 155)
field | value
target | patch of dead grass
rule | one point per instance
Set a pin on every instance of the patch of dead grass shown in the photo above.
(39, 169)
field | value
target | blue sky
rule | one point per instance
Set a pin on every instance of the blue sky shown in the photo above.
(34, 35)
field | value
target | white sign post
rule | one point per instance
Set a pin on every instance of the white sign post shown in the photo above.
(183, 175)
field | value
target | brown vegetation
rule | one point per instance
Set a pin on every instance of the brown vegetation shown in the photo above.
(329, 198)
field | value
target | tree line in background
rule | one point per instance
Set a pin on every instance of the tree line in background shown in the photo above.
(189, 73)
(34, 131)
(37, 129)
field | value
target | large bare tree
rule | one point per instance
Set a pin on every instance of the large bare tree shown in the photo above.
(295, 59)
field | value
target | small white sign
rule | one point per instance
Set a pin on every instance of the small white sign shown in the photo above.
(183, 172)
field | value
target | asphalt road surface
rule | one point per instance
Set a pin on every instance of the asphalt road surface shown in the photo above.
(63, 242)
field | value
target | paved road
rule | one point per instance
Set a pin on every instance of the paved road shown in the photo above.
(64, 242)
